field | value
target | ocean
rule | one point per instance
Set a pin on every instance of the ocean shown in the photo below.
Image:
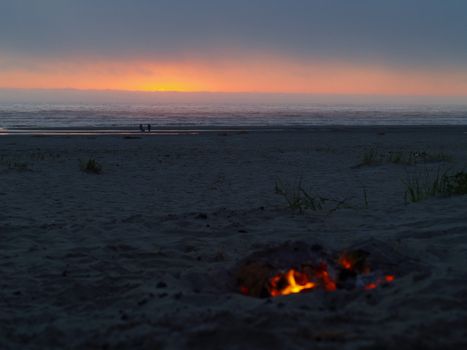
(128, 117)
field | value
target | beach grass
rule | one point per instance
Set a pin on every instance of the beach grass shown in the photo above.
(457, 184)
(300, 199)
(91, 166)
(421, 186)
(14, 164)
(18, 166)
(371, 156)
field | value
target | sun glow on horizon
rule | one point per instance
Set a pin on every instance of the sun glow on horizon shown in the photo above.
(256, 74)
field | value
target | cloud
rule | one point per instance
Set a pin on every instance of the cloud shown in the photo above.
(396, 32)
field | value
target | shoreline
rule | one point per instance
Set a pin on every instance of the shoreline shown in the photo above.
(187, 130)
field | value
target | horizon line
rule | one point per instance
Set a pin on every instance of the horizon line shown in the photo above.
(184, 92)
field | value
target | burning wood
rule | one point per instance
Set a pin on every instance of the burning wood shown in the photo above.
(300, 269)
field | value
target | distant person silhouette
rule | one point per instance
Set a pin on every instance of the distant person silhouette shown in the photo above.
(141, 127)
(149, 127)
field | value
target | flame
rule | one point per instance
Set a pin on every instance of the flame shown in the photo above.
(291, 282)
(294, 281)
(348, 271)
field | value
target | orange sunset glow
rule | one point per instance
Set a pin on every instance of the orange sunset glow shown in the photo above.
(268, 74)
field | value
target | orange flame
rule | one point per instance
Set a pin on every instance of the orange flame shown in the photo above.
(291, 282)
(347, 271)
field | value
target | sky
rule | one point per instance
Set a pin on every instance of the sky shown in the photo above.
(397, 47)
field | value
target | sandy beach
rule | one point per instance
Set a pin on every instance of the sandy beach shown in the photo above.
(141, 255)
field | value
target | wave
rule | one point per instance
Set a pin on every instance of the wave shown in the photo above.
(128, 116)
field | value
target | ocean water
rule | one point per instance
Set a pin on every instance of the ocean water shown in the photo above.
(85, 116)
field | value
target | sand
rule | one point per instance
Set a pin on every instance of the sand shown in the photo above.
(140, 256)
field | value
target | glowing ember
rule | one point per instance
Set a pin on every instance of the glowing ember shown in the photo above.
(328, 283)
(345, 263)
(371, 286)
(390, 278)
(379, 281)
(244, 290)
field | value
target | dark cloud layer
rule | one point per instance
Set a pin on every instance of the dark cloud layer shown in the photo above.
(432, 32)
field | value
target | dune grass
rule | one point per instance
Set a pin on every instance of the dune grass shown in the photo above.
(300, 199)
(14, 164)
(421, 186)
(91, 166)
(457, 184)
(371, 156)
(18, 166)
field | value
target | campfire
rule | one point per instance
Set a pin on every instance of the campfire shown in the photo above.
(298, 268)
